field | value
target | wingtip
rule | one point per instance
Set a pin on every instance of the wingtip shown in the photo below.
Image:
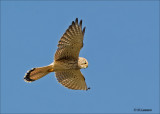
(76, 20)
(73, 23)
(88, 88)
(83, 30)
(80, 23)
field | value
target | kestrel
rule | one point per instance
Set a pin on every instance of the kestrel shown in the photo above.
(66, 63)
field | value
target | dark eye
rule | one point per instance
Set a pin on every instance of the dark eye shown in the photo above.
(84, 62)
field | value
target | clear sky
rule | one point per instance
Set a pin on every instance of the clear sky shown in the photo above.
(121, 44)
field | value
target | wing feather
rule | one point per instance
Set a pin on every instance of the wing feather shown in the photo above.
(72, 79)
(71, 42)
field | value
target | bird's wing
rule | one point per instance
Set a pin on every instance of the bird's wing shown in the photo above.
(71, 42)
(72, 79)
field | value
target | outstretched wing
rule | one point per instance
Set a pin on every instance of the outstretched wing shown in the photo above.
(72, 79)
(71, 42)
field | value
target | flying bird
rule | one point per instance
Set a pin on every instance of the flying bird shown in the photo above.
(66, 63)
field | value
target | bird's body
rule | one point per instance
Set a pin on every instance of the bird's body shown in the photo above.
(67, 63)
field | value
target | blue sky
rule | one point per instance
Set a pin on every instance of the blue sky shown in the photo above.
(121, 44)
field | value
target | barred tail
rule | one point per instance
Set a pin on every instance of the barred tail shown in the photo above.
(37, 73)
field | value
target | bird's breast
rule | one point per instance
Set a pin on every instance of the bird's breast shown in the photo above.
(65, 64)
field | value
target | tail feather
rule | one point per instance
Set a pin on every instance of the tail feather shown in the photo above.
(37, 73)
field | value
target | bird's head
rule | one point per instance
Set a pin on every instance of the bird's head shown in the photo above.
(82, 62)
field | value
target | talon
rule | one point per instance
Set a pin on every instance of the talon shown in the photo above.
(51, 70)
(88, 88)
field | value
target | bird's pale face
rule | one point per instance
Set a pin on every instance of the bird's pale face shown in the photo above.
(82, 62)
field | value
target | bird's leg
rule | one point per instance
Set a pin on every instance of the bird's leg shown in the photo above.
(51, 70)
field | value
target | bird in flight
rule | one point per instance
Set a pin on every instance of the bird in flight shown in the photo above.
(66, 63)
